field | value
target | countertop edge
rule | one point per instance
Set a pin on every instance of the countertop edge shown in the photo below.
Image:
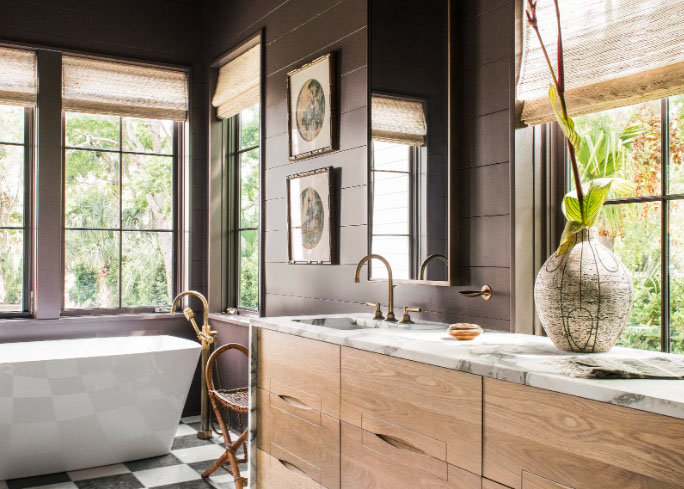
(592, 389)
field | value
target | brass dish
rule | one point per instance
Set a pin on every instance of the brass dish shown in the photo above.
(464, 331)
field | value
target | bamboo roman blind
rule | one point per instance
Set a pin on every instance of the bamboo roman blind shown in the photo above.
(238, 84)
(617, 53)
(18, 85)
(397, 120)
(109, 87)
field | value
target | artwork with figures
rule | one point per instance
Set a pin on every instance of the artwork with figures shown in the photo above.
(309, 217)
(310, 110)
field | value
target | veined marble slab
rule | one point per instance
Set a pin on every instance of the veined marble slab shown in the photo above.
(524, 359)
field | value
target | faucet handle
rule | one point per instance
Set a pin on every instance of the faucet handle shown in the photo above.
(378, 313)
(405, 318)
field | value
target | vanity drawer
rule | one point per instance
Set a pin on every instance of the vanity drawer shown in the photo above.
(370, 466)
(539, 439)
(433, 411)
(274, 473)
(308, 369)
(531, 481)
(305, 441)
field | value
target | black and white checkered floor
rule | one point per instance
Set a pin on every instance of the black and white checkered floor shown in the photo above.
(181, 469)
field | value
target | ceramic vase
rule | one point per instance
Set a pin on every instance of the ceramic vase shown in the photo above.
(584, 297)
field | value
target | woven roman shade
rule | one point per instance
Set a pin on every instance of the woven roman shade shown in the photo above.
(396, 120)
(18, 84)
(238, 84)
(109, 87)
(617, 53)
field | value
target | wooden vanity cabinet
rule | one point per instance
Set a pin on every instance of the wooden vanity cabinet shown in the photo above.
(538, 439)
(429, 417)
(331, 417)
(298, 397)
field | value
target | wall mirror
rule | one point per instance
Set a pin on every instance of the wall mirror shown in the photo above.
(409, 148)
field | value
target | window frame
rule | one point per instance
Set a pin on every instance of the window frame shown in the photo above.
(231, 159)
(178, 155)
(663, 199)
(27, 272)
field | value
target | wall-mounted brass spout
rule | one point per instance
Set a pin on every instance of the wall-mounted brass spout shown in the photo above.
(485, 292)
(206, 336)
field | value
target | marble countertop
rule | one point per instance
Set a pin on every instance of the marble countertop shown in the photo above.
(525, 359)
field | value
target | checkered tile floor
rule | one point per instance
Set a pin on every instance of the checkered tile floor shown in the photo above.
(181, 469)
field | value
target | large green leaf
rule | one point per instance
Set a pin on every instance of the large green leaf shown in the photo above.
(595, 194)
(571, 208)
(568, 236)
(566, 123)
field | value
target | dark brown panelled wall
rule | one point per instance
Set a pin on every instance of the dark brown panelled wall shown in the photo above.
(297, 31)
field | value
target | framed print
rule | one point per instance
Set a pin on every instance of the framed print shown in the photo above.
(310, 217)
(310, 99)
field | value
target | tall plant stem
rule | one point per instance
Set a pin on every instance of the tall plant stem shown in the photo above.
(559, 83)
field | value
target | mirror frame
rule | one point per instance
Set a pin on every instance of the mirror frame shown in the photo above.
(453, 273)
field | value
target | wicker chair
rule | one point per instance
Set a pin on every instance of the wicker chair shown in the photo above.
(236, 400)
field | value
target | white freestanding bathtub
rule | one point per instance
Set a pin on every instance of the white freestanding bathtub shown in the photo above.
(73, 404)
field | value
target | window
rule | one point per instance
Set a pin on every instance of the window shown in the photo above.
(243, 164)
(392, 224)
(644, 144)
(14, 223)
(120, 211)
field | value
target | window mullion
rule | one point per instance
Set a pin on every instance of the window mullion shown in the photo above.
(121, 163)
(664, 227)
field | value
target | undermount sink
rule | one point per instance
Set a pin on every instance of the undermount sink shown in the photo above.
(340, 323)
(348, 323)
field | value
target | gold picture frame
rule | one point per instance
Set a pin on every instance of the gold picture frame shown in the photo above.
(311, 217)
(311, 108)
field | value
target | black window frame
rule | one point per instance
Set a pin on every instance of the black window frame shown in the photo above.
(27, 272)
(177, 212)
(663, 199)
(231, 157)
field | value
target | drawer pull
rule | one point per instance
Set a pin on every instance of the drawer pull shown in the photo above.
(291, 467)
(399, 443)
(293, 401)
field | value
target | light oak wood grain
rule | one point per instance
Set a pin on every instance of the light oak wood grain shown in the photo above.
(531, 481)
(274, 474)
(487, 484)
(576, 442)
(311, 450)
(307, 371)
(363, 467)
(443, 405)
(406, 446)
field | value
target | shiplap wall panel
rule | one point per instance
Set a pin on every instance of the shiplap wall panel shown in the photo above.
(297, 31)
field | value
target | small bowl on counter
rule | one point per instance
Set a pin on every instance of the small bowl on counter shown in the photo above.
(464, 331)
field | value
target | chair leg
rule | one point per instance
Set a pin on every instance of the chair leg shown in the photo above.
(242, 429)
(235, 468)
(219, 462)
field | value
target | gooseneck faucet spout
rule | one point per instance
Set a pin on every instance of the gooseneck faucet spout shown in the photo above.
(390, 286)
(436, 256)
(206, 336)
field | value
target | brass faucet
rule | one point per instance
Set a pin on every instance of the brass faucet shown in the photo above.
(437, 256)
(206, 336)
(390, 286)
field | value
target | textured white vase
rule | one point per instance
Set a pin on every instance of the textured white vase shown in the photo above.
(584, 297)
